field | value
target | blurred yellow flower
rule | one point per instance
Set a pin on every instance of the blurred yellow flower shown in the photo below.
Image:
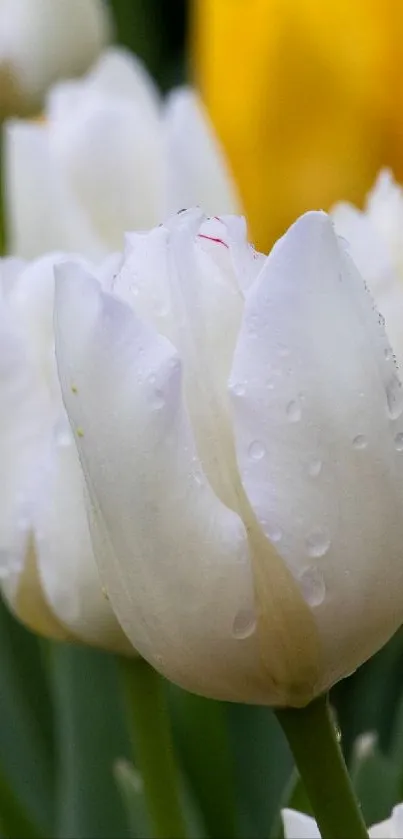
(306, 97)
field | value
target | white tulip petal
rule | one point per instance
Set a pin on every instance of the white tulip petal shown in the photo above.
(65, 560)
(174, 558)
(119, 73)
(377, 257)
(22, 440)
(42, 41)
(197, 304)
(42, 213)
(363, 242)
(196, 170)
(298, 825)
(110, 151)
(319, 437)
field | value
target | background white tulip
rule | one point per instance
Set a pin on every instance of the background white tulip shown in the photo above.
(47, 567)
(240, 424)
(300, 826)
(45, 40)
(375, 241)
(109, 157)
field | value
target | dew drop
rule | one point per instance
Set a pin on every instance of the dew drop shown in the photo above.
(360, 442)
(239, 389)
(293, 411)
(244, 624)
(388, 353)
(275, 534)
(317, 542)
(62, 434)
(158, 659)
(394, 397)
(157, 399)
(314, 467)
(256, 450)
(283, 351)
(151, 379)
(312, 585)
(160, 308)
(399, 442)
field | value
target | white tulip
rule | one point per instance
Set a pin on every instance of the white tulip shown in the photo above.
(45, 40)
(47, 568)
(239, 420)
(300, 826)
(375, 242)
(109, 157)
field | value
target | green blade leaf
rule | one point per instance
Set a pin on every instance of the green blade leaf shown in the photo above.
(263, 766)
(202, 733)
(92, 737)
(375, 779)
(131, 788)
(26, 713)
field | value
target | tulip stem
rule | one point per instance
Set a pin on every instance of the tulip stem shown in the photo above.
(313, 740)
(150, 731)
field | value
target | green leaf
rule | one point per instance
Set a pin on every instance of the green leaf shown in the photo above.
(367, 700)
(26, 731)
(263, 766)
(375, 779)
(91, 737)
(202, 734)
(294, 797)
(14, 821)
(130, 786)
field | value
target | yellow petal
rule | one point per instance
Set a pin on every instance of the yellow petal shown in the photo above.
(305, 103)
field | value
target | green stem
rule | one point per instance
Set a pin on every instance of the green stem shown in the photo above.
(312, 737)
(151, 734)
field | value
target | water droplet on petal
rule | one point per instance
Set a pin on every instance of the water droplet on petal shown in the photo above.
(399, 442)
(312, 585)
(158, 659)
(160, 308)
(244, 624)
(283, 351)
(157, 399)
(314, 467)
(151, 379)
(275, 534)
(293, 411)
(394, 397)
(256, 450)
(388, 353)
(62, 433)
(360, 442)
(317, 542)
(239, 389)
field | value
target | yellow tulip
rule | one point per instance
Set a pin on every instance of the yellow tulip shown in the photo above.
(305, 97)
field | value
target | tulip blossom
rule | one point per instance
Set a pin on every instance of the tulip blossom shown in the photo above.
(299, 826)
(45, 40)
(375, 241)
(307, 105)
(239, 421)
(47, 568)
(109, 157)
